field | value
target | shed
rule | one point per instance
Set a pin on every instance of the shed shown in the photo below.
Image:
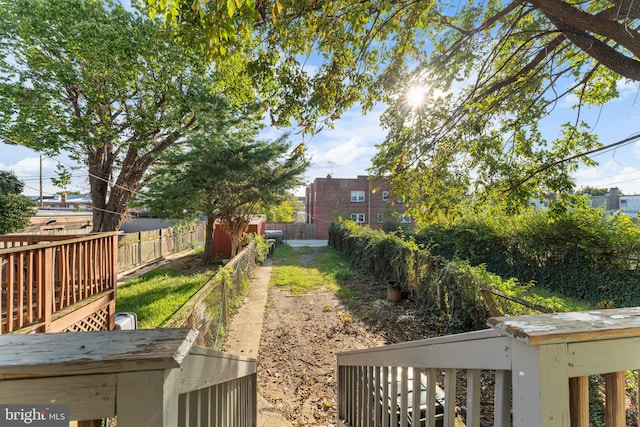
(222, 241)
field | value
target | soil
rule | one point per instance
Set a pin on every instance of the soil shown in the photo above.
(302, 334)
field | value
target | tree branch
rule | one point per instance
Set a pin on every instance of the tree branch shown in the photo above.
(563, 14)
(601, 52)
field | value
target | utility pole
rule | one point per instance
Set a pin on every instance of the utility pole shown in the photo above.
(41, 201)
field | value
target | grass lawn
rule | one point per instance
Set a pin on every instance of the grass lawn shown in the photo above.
(305, 268)
(157, 295)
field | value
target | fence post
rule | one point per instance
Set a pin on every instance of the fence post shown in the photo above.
(224, 304)
(139, 262)
(48, 284)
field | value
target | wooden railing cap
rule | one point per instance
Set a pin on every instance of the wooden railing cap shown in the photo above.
(79, 353)
(593, 325)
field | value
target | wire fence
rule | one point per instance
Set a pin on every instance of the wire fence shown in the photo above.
(211, 308)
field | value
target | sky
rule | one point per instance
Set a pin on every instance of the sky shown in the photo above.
(346, 150)
(343, 152)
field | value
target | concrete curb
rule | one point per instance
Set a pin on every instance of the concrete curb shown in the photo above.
(245, 331)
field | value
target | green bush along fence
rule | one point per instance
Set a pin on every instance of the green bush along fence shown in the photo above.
(580, 253)
(450, 291)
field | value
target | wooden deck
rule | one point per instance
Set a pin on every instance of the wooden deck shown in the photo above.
(154, 377)
(57, 283)
(540, 365)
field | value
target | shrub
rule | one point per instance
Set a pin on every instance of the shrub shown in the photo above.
(578, 252)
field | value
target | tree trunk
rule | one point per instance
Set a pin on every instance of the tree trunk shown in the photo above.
(111, 199)
(208, 238)
(235, 226)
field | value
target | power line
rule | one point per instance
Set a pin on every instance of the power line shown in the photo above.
(133, 192)
(53, 194)
(605, 148)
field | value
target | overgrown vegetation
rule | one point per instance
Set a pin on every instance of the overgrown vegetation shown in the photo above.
(578, 252)
(448, 290)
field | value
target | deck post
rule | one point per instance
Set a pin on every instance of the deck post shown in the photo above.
(540, 385)
(148, 398)
(48, 284)
(579, 401)
(614, 409)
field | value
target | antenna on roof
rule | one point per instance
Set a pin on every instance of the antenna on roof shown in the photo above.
(331, 165)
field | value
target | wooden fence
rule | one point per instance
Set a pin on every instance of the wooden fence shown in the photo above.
(50, 285)
(144, 247)
(294, 230)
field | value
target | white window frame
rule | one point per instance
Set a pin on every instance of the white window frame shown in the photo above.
(380, 218)
(405, 219)
(358, 218)
(357, 196)
(385, 196)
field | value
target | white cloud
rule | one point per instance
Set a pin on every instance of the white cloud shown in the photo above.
(609, 174)
(355, 149)
(628, 89)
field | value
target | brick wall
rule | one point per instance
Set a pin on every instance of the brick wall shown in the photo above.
(328, 198)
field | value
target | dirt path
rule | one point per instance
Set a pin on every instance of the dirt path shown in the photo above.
(300, 338)
(302, 333)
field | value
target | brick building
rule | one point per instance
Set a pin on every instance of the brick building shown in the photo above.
(352, 198)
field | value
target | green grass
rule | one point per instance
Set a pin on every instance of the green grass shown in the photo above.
(555, 302)
(157, 295)
(306, 269)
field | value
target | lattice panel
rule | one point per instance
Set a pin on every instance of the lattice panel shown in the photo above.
(98, 321)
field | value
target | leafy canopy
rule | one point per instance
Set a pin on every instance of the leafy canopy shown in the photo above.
(106, 84)
(15, 209)
(225, 172)
(283, 211)
(490, 71)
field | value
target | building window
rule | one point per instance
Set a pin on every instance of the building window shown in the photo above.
(358, 217)
(385, 195)
(357, 196)
(405, 219)
(380, 217)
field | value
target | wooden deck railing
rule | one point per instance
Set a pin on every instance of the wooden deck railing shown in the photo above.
(153, 377)
(538, 368)
(51, 283)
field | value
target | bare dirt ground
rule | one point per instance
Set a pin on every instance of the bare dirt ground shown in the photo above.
(302, 334)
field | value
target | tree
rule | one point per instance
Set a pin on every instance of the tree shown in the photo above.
(225, 173)
(492, 71)
(284, 211)
(105, 84)
(593, 191)
(15, 209)
(63, 180)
